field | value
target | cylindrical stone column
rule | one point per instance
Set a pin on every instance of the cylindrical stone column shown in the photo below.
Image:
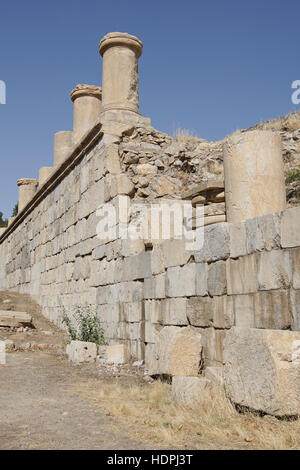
(62, 146)
(254, 175)
(44, 174)
(120, 80)
(27, 189)
(87, 109)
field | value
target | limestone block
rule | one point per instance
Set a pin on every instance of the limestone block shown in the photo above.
(244, 310)
(191, 390)
(262, 369)
(112, 159)
(186, 281)
(119, 184)
(2, 353)
(174, 253)
(290, 227)
(238, 240)
(212, 340)
(146, 169)
(208, 311)
(81, 351)
(295, 257)
(157, 260)
(216, 243)
(274, 270)
(132, 311)
(295, 309)
(14, 319)
(263, 233)
(272, 310)
(242, 275)
(177, 351)
(155, 287)
(117, 354)
(167, 311)
(217, 278)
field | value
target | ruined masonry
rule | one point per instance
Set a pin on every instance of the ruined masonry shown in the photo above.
(228, 313)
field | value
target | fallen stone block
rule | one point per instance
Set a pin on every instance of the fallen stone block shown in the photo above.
(262, 370)
(177, 351)
(10, 319)
(117, 354)
(191, 390)
(81, 351)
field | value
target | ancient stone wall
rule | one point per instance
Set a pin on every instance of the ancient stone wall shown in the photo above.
(153, 293)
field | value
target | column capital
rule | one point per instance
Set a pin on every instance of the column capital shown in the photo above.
(27, 182)
(86, 90)
(121, 39)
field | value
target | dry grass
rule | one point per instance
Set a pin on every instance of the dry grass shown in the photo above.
(149, 413)
(186, 135)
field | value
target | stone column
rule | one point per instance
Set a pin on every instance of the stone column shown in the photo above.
(62, 146)
(254, 175)
(27, 189)
(44, 174)
(87, 109)
(120, 81)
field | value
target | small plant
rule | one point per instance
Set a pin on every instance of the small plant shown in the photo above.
(292, 175)
(84, 324)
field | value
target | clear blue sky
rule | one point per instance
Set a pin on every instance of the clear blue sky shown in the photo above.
(209, 66)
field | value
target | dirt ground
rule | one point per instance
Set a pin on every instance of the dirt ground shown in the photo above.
(39, 410)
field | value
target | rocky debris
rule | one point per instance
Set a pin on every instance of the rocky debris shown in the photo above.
(191, 390)
(262, 370)
(10, 319)
(177, 351)
(188, 160)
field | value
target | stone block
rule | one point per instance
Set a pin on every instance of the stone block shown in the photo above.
(207, 311)
(167, 311)
(217, 278)
(117, 354)
(244, 310)
(177, 351)
(191, 390)
(295, 258)
(242, 275)
(186, 281)
(272, 310)
(262, 370)
(14, 319)
(157, 260)
(274, 270)
(81, 351)
(212, 340)
(216, 244)
(290, 227)
(174, 253)
(132, 311)
(295, 309)
(238, 240)
(155, 287)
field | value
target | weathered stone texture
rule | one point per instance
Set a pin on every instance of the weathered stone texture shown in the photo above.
(177, 351)
(262, 370)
